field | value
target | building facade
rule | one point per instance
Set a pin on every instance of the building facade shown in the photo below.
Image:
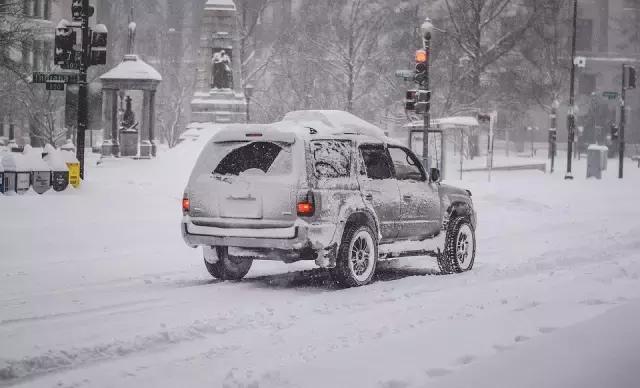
(608, 36)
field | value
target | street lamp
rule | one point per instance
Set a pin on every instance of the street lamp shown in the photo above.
(427, 31)
(571, 117)
(248, 92)
(553, 132)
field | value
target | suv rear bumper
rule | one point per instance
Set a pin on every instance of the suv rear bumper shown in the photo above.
(301, 237)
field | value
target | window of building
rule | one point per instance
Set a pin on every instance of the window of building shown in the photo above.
(587, 84)
(584, 35)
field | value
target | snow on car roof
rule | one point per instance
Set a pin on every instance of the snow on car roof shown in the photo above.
(340, 121)
(305, 125)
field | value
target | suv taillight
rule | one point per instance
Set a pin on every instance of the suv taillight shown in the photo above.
(306, 206)
(185, 205)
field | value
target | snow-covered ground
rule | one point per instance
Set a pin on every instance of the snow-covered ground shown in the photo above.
(97, 289)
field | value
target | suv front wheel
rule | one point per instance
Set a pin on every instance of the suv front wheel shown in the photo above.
(460, 247)
(357, 256)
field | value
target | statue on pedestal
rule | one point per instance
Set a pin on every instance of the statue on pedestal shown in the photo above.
(128, 118)
(221, 72)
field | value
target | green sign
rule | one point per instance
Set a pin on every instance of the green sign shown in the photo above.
(610, 95)
(40, 77)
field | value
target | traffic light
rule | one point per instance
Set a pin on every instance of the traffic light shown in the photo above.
(410, 100)
(553, 136)
(99, 45)
(615, 131)
(77, 10)
(64, 41)
(484, 118)
(422, 67)
(423, 99)
(630, 77)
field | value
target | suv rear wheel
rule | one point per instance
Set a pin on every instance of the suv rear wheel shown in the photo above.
(357, 256)
(228, 267)
(460, 247)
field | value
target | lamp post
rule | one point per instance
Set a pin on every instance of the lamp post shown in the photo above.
(571, 117)
(427, 31)
(553, 132)
(248, 92)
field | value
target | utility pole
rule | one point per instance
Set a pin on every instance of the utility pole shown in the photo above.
(83, 109)
(571, 117)
(553, 132)
(628, 82)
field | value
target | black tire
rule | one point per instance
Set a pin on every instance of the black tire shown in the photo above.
(228, 267)
(360, 271)
(460, 248)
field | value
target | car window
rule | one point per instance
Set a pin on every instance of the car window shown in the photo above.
(257, 158)
(331, 158)
(376, 161)
(406, 165)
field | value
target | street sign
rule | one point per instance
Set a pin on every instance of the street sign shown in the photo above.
(40, 77)
(407, 75)
(610, 95)
(55, 85)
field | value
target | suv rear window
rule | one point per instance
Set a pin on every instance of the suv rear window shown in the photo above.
(262, 158)
(331, 158)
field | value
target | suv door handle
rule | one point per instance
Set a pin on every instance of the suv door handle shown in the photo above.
(369, 197)
(407, 197)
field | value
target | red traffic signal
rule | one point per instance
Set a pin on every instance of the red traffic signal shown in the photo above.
(421, 56)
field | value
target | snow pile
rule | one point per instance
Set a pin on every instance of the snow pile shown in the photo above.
(34, 159)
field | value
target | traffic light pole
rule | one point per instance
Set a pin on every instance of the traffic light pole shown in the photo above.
(571, 118)
(622, 122)
(427, 110)
(83, 111)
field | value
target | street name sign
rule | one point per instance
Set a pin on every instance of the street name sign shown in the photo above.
(41, 77)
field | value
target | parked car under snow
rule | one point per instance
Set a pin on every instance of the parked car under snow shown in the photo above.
(324, 186)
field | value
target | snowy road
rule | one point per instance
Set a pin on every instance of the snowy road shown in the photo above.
(114, 298)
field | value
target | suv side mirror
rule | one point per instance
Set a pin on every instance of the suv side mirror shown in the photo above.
(434, 175)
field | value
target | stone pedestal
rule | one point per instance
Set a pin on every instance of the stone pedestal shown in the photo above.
(129, 143)
(219, 106)
(219, 34)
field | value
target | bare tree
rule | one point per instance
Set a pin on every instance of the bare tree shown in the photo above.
(484, 32)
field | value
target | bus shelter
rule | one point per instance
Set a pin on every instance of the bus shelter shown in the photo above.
(445, 135)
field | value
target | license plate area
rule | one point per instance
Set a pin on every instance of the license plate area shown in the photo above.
(241, 206)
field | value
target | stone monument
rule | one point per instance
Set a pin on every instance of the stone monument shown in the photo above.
(218, 97)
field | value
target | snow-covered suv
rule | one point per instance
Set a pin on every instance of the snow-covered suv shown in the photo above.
(324, 186)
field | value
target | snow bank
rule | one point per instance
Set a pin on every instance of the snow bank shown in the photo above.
(34, 159)
(15, 162)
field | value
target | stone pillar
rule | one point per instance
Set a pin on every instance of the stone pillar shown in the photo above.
(114, 122)
(144, 130)
(152, 121)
